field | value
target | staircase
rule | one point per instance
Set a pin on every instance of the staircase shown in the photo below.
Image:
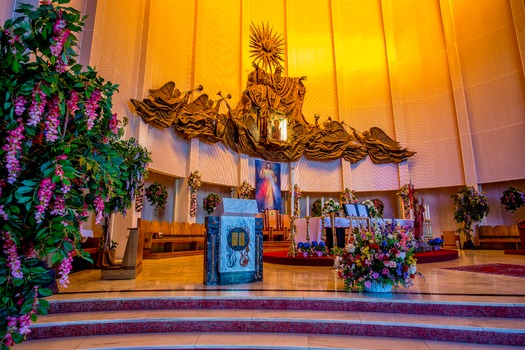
(237, 319)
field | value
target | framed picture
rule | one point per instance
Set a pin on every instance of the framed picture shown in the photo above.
(350, 210)
(362, 210)
(267, 185)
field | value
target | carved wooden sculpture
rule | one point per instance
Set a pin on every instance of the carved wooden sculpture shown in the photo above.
(268, 97)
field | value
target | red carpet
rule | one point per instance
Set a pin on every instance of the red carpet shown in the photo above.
(494, 269)
(436, 256)
(281, 257)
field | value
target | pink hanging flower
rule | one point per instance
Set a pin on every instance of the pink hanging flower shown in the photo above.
(20, 105)
(113, 124)
(45, 193)
(91, 108)
(13, 260)
(52, 122)
(99, 209)
(72, 103)
(13, 148)
(36, 110)
(64, 269)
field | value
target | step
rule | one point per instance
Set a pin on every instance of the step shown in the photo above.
(222, 340)
(356, 302)
(485, 330)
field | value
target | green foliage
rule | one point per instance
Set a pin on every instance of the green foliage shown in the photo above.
(157, 195)
(470, 206)
(62, 156)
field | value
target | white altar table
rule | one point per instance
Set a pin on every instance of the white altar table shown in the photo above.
(316, 230)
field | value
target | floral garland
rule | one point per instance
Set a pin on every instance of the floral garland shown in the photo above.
(139, 198)
(331, 206)
(379, 206)
(244, 191)
(296, 195)
(512, 199)
(409, 198)
(157, 195)
(373, 212)
(471, 206)
(349, 196)
(210, 202)
(194, 182)
(384, 257)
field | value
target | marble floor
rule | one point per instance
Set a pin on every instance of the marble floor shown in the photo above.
(184, 276)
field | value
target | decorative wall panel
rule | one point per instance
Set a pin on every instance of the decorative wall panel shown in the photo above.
(319, 176)
(310, 53)
(492, 71)
(363, 89)
(225, 171)
(168, 152)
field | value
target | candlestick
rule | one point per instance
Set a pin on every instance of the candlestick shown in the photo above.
(307, 217)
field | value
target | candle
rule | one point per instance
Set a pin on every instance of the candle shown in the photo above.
(307, 205)
(322, 202)
(428, 211)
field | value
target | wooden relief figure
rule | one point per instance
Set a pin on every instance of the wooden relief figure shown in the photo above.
(268, 121)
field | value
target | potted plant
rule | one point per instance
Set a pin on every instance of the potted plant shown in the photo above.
(512, 199)
(470, 206)
(60, 157)
(435, 243)
(377, 261)
(304, 248)
(319, 248)
(157, 195)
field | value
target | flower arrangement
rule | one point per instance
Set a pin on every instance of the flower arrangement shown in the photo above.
(157, 195)
(512, 199)
(349, 196)
(384, 257)
(62, 157)
(435, 241)
(379, 206)
(194, 180)
(305, 248)
(470, 206)
(244, 191)
(317, 209)
(373, 212)
(210, 202)
(331, 206)
(319, 248)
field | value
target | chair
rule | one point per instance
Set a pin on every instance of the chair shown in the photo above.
(449, 240)
(272, 227)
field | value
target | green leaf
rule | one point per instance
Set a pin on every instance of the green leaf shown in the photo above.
(45, 292)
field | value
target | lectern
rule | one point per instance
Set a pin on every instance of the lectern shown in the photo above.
(234, 244)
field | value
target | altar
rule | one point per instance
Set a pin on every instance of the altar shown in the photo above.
(316, 226)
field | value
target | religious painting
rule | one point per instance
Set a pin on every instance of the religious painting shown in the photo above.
(277, 128)
(267, 185)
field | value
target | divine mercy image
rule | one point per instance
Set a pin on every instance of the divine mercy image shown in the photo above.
(267, 185)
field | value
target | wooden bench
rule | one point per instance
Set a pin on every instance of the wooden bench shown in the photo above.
(166, 236)
(499, 235)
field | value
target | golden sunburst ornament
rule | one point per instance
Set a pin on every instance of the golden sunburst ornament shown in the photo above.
(266, 47)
